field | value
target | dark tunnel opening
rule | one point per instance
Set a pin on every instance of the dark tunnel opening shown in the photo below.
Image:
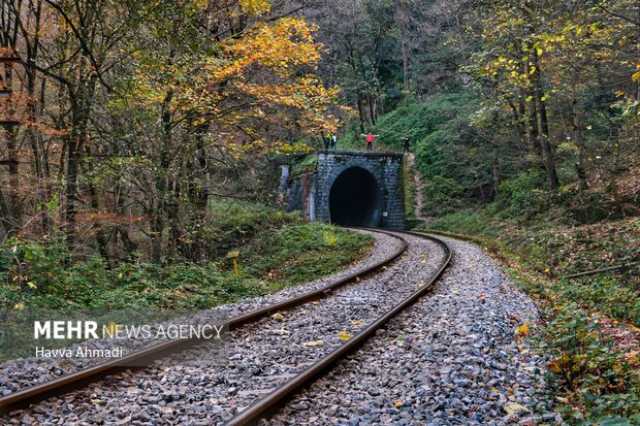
(356, 199)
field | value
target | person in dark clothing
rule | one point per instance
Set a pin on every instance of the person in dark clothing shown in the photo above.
(326, 142)
(407, 143)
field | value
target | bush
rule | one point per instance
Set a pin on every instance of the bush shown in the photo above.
(592, 207)
(442, 195)
(605, 294)
(585, 365)
(302, 252)
(234, 223)
(418, 120)
(35, 276)
(463, 222)
(521, 196)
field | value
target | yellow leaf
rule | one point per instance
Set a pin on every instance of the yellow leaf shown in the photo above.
(513, 408)
(344, 335)
(399, 403)
(278, 316)
(554, 366)
(633, 358)
(330, 238)
(522, 330)
(31, 284)
(255, 7)
(18, 306)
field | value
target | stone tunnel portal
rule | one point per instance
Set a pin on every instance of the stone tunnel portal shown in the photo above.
(356, 199)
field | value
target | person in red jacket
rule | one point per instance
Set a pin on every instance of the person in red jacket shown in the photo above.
(370, 139)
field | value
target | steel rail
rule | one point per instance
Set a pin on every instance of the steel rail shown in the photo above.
(65, 384)
(269, 404)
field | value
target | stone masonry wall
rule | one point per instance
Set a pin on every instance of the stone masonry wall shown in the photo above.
(387, 170)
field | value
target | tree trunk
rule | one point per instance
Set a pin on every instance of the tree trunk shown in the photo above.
(162, 180)
(405, 65)
(527, 105)
(5, 226)
(578, 137)
(14, 177)
(519, 121)
(12, 154)
(101, 237)
(81, 105)
(199, 194)
(361, 113)
(71, 190)
(495, 174)
(372, 109)
(543, 128)
(40, 161)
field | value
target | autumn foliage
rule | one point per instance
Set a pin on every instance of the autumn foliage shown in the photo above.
(130, 116)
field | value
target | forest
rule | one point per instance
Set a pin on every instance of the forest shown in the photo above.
(140, 141)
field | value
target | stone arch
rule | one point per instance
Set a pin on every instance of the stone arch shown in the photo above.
(356, 198)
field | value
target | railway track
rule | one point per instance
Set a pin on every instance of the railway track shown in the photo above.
(275, 398)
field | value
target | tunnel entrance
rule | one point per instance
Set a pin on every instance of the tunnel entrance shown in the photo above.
(356, 199)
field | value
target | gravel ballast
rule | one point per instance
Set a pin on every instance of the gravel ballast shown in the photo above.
(451, 359)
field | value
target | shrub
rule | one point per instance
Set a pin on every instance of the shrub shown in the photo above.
(442, 195)
(585, 364)
(521, 196)
(463, 222)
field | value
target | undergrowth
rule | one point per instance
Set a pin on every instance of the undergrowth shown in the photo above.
(273, 251)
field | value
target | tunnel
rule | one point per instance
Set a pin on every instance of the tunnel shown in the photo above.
(356, 199)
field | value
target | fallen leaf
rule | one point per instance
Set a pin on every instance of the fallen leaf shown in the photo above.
(522, 330)
(514, 409)
(554, 366)
(278, 316)
(344, 335)
(633, 358)
(399, 403)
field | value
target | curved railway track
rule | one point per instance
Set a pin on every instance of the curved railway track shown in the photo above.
(280, 395)
(275, 399)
